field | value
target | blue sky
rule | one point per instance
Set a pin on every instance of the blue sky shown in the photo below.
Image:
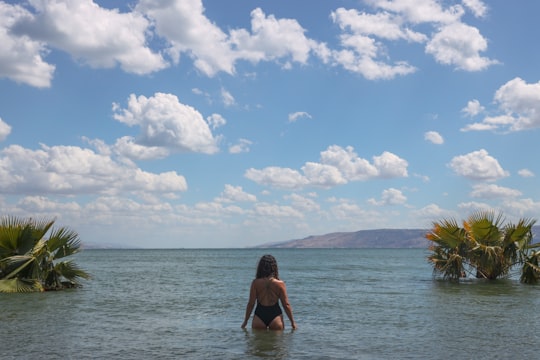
(189, 123)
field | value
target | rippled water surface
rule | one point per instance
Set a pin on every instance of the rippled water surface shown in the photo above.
(348, 303)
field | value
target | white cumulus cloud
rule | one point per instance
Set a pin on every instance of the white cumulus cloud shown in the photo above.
(128, 147)
(277, 177)
(390, 196)
(242, 146)
(227, 98)
(518, 108)
(473, 108)
(236, 194)
(433, 211)
(434, 137)
(303, 203)
(337, 166)
(478, 165)
(5, 130)
(39, 204)
(71, 170)
(323, 175)
(215, 121)
(460, 45)
(525, 173)
(421, 11)
(365, 36)
(491, 191)
(21, 57)
(188, 31)
(383, 25)
(167, 123)
(521, 101)
(83, 29)
(478, 8)
(272, 38)
(361, 53)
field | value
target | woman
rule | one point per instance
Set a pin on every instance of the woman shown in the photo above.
(266, 289)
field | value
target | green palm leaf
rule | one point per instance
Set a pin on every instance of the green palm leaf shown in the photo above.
(27, 257)
(530, 272)
(63, 242)
(483, 227)
(15, 265)
(520, 233)
(19, 285)
(70, 271)
(18, 236)
(447, 234)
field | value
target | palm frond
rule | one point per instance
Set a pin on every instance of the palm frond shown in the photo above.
(530, 272)
(483, 227)
(70, 271)
(487, 215)
(10, 230)
(20, 285)
(520, 233)
(27, 257)
(14, 266)
(63, 242)
(39, 250)
(490, 261)
(18, 236)
(447, 233)
(34, 231)
(448, 264)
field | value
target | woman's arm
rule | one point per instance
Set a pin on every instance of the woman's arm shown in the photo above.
(251, 304)
(284, 298)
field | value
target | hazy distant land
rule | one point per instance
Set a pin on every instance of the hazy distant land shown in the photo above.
(380, 238)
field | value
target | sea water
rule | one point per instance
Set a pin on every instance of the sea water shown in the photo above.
(348, 304)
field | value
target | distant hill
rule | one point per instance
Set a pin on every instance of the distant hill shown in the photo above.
(104, 246)
(381, 238)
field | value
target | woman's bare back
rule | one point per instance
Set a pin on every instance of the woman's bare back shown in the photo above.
(268, 290)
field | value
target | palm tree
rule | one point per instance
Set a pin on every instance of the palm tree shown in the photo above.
(483, 246)
(530, 273)
(29, 261)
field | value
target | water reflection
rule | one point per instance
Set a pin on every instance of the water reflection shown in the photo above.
(479, 314)
(267, 344)
(482, 287)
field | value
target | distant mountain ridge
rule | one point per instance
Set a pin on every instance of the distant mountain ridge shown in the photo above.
(379, 238)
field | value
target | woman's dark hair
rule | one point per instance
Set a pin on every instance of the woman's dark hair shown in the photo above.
(267, 267)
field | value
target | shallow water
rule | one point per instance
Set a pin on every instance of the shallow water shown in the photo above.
(348, 303)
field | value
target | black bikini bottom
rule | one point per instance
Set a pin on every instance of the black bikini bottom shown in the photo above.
(267, 313)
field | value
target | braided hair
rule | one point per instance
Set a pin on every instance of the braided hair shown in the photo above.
(267, 267)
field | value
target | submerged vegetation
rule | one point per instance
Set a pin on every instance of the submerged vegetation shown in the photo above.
(484, 246)
(30, 253)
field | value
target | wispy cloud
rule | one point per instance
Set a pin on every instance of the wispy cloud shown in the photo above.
(434, 137)
(293, 117)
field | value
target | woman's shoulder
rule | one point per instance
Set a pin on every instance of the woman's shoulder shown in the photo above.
(277, 282)
(266, 280)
